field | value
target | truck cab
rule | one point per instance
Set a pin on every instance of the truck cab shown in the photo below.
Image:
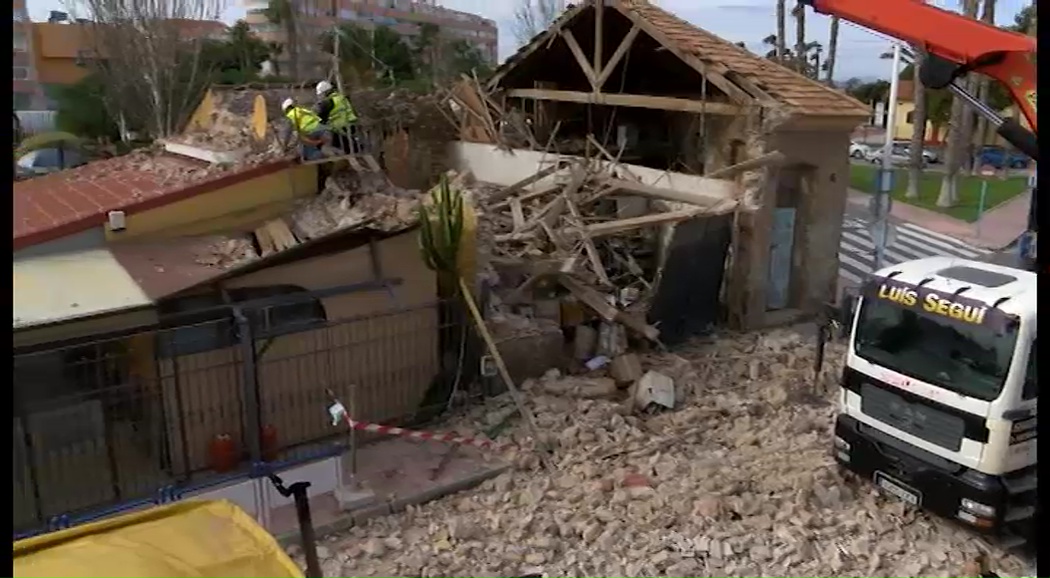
(939, 390)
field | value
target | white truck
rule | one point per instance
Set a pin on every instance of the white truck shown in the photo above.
(939, 391)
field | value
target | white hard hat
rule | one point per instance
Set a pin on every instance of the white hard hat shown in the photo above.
(323, 87)
(288, 103)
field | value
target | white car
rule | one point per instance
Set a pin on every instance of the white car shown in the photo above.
(858, 150)
(900, 155)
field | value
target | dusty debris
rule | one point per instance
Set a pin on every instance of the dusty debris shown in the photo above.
(349, 201)
(725, 485)
(561, 236)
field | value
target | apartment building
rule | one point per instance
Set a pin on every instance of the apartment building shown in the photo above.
(26, 89)
(403, 16)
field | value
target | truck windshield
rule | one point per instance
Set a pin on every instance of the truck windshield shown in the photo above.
(971, 360)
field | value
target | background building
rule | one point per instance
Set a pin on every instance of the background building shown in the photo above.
(402, 16)
(26, 86)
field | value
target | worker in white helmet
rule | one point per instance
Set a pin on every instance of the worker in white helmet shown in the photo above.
(334, 109)
(312, 134)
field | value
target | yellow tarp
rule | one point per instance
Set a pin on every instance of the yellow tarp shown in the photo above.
(206, 538)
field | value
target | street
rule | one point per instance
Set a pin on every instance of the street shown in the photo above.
(856, 249)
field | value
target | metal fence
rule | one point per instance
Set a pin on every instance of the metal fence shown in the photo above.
(36, 121)
(106, 422)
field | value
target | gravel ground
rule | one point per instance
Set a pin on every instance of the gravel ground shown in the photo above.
(738, 481)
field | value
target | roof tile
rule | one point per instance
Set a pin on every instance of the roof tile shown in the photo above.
(75, 200)
(805, 95)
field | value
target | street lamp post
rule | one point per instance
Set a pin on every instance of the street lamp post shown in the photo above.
(884, 182)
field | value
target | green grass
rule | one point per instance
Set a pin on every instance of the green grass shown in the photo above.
(862, 178)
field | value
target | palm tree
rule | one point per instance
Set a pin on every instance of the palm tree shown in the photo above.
(283, 13)
(779, 45)
(833, 48)
(918, 135)
(799, 12)
(983, 85)
(958, 135)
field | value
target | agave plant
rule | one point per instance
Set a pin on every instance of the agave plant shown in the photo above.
(440, 231)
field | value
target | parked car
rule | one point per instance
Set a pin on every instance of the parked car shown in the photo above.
(930, 156)
(48, 160)
(1000, 158)
(858, 150)
(900, 155)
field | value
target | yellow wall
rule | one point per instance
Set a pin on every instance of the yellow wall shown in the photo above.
(238, 206)
(903, 130)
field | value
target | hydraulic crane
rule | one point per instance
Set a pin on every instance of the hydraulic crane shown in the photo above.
(955, 45)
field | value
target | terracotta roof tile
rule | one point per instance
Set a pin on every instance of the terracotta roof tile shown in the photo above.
(75, 200)
(800, 94)
(803, 94)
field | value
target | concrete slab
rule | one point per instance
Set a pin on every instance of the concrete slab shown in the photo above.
(397, 473)
(203, 154)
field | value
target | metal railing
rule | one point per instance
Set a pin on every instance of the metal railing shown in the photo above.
(144, 417)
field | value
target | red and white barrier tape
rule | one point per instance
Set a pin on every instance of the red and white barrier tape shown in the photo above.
(339, 414)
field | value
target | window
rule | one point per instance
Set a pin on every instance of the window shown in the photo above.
(202, 325)
(20, 43)
(968, 359)
(205, 322)
(1031, 384)
(21, 73)
(910, 117)
(280, 318)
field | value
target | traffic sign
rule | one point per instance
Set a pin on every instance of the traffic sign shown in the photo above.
(885, 180)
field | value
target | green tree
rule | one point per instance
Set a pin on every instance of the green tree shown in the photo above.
(82, 109)
(284, 14)
(465, 58)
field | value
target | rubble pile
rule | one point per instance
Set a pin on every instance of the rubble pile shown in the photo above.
(230, 126)
(167, 169)
(580, 245)
(349, 201)
(736, 481)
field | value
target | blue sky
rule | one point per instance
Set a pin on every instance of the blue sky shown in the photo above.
(737, 20)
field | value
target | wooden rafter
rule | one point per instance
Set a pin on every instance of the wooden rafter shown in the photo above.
(581, 59)
(631, 100)
(716, 77)
(599, 15)
(617, 56)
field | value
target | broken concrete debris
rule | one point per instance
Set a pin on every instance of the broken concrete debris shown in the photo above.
(728, 484)
(557, 249)
(350, 200)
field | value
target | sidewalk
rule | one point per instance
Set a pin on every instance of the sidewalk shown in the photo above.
(997, 229)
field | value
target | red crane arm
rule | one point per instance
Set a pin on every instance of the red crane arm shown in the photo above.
(953, 37)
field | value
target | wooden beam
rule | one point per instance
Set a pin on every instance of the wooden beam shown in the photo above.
(737, 94)
(631, 100)
(713, 192)
(599, 15)
(517, 187)
(580, 58)
(617, 56)
(775, 158)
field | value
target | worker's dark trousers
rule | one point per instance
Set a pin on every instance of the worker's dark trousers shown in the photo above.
(342, 141)
(348, 140)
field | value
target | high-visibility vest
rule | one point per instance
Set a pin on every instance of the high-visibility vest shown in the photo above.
(342, 114)
(304, 120)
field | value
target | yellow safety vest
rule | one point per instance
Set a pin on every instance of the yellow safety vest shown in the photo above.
(304, 120)
(342, 114)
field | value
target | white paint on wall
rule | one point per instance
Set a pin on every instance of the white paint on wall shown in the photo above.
(500, 167)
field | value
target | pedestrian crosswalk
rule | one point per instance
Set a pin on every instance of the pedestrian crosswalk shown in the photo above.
(856, 251)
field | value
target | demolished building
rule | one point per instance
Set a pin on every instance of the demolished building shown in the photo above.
(679, 120)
